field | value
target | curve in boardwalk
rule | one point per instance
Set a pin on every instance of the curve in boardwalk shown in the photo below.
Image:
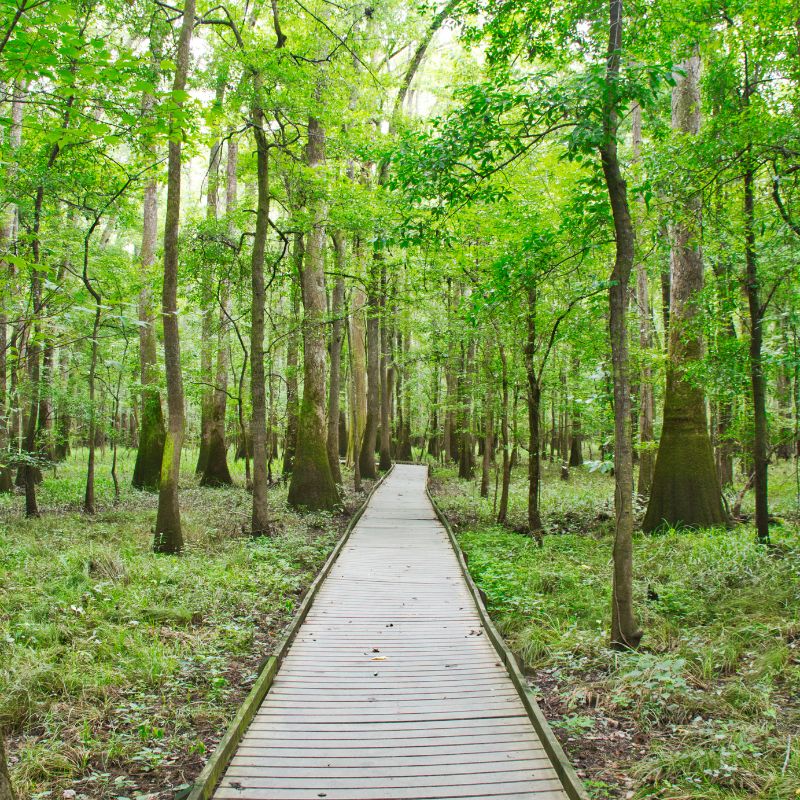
(391, 688)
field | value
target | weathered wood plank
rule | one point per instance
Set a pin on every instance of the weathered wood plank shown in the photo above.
(392, 687)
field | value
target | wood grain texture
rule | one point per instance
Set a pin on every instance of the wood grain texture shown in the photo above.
(391, 688)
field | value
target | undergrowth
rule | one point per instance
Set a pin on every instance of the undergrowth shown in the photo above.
(710, 706)
(119, 669)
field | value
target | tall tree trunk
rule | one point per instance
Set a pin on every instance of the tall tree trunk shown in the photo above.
(260, 525)
(502, 511)
(337, 337)
(625, 631)
(366, 457)
(64, 426)
(451, 377)
(488, 420)
(89, 499)
(358, 371)
(312, 485)
(434, 440)
(534, 409)
(147, 469)
(685, 490)
(576, 439)
(216, 472)
(405, 451)
(168, 531)
(292, 344)
(150, 452)
(207, 321)
(646, 394)
(757, 377)
(466, 449)
(8, 235)
(385, 460)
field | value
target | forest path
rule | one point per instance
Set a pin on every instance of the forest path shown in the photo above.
(391, 689)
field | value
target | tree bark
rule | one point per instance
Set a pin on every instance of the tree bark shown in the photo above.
(216, 472)
(208, 391)
(168, 531)
(292, 344)
(358, 384)
(337, 337)
(534, 408)
(8, 235)
(312, 485)
(502, 511)
(646, 394)
(466, 449)
(488, 420)
(757, 377)
(149, 454)
(150, 450)
(260, 524)
(685, 490)
(625, 631)
(366, 458)
(385, 455)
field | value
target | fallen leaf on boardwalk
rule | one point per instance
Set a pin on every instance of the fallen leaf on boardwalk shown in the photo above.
(378, 658)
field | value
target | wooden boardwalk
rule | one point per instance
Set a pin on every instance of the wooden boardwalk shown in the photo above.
(391, 688)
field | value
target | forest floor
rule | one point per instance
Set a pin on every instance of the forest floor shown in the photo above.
(119, 669)
(710, 707)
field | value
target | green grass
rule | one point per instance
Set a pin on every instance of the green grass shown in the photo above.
(120, 669)
(710, 707)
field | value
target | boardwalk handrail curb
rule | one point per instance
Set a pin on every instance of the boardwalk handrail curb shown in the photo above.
(561, 764)
(207, 781)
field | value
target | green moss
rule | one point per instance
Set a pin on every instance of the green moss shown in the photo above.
(312, 485)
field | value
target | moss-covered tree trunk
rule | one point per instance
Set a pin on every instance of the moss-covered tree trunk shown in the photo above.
(625, 631)
(337, 338)
(312, 485)
(168, 535)
(292, 344)
(150, 449)
(686, 489)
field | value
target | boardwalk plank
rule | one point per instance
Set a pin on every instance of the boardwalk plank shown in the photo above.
(392, 690)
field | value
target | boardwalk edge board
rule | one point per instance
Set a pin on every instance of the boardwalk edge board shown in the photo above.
(206, 782)
(569, 779)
